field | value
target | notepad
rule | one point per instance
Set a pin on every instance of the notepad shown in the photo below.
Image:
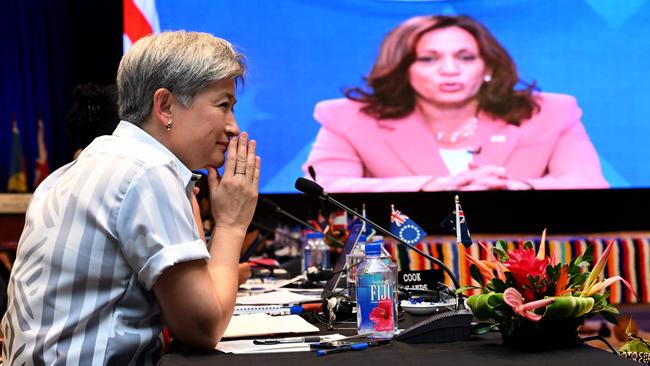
(247, 346)
(271, 286)
(276, 297)
(264, 324)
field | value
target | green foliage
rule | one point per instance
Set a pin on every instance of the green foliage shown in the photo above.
(553, 272)
(501, 251)
(482, 328)
(634, 343)
(466, 288)
(498, 285)
(476, 274)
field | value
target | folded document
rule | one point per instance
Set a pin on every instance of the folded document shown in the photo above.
(264, 324)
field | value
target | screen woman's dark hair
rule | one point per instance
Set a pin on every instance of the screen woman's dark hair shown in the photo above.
(391, 94)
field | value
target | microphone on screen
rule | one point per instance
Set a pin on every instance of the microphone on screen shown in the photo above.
(312, 172)
(454, 325)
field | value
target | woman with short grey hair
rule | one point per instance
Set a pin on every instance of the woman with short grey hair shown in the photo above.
(110, 252)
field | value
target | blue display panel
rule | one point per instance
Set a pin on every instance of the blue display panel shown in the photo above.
(302, 51)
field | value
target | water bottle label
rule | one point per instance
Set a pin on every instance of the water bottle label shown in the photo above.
(375, 305)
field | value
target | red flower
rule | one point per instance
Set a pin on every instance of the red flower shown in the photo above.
(522, 263)
(382, 315)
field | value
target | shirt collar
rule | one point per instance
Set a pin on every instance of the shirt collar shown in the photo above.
(129, 130)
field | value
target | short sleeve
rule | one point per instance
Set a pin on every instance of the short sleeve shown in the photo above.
(155, 225)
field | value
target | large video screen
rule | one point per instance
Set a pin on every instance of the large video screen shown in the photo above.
(301, 52)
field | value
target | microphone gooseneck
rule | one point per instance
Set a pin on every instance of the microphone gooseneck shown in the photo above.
(448, 326)
(272, 206)
(312, 188)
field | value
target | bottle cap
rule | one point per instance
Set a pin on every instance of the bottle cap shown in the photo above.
(373, 249)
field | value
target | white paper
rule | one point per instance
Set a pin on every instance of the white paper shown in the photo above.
(269, 286)
(264, 324)
(276, 297)
(247, 346)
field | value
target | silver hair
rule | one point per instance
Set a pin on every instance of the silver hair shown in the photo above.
(182, 62)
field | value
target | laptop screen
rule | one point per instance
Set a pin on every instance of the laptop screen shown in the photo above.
(355, 228)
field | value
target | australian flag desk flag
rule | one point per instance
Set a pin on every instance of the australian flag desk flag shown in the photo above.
(457, 223)
(405, 228)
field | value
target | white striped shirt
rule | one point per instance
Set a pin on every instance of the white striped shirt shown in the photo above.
(98, 234)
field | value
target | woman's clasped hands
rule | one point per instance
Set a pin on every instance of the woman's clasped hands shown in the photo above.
(477, 178)
(234, 195)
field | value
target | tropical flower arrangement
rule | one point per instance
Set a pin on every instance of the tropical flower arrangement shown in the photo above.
(535, 301)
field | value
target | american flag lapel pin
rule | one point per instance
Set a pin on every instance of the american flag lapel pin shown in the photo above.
(498, 138)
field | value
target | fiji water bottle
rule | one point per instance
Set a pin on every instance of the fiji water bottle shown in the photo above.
(320, 253)
(375, 295)
(352, 262)
(307, 252)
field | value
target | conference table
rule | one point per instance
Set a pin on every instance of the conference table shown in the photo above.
(479, 350)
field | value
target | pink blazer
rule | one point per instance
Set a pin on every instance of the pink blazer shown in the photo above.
(357, 153)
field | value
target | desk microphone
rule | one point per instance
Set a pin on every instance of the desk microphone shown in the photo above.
(314, 189)
(443, 327)
(274, 207)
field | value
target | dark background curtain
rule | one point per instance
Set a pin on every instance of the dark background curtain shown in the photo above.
(46, 49)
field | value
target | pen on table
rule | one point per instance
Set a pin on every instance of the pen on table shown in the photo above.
(352, 347)
(276, 310)
(271, 341)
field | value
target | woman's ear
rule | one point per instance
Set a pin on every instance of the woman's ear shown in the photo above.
(162, 106)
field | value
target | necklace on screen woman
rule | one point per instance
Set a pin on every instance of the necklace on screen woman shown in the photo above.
(465, 131)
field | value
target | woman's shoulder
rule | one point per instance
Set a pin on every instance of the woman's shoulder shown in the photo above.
(341, 110)
(555, 109)
(339, 105)
(555, 101)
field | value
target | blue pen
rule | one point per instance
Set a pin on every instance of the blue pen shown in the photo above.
(269, 309)
(348, 347)
(352, 347)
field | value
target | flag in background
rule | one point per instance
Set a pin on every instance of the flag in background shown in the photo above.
(140, 19)
(17, 172)
(42, 167)
(462, 231)
(456, 223)
(340, 221)
(367, 230)
(405, 228)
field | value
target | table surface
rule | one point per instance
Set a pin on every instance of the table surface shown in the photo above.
(477, 351)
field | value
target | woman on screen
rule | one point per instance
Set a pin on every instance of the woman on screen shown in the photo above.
(441, 111)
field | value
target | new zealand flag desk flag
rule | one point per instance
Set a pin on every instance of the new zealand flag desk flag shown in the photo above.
(457, 224)
(405, 228)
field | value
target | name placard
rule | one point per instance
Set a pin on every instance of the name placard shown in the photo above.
(424, 280)
(14, 203)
